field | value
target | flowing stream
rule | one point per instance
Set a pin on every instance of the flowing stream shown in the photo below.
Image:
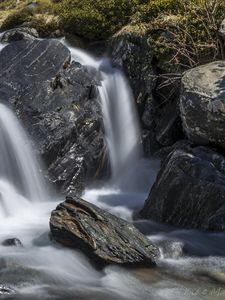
(44, 270)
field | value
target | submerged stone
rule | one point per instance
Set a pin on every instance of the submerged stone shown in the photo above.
(103, 237)
(12, 242)
(6, 290)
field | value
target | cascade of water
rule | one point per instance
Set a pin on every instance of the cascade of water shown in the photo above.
(120, 118)
(120, 121)
(18, 165)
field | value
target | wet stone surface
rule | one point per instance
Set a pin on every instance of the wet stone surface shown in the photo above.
(105, 238)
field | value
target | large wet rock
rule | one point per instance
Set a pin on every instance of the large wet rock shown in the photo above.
(189, 191)
(105, 238)
(57, 102)
(202, 104)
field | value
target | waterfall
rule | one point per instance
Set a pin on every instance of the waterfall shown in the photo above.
(122, 132)
(18, 166)
(120, 121)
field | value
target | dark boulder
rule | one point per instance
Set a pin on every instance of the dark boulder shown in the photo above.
(12, 242)
(202, 104)
(18, 34)
(168, 125)
(189, 191)
(103, 237)
(57, 102)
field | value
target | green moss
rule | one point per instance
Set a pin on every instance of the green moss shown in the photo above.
(45, 24)
(7, 4)
(42, 17)
(17, 18)
(95, 19)
(46, 7)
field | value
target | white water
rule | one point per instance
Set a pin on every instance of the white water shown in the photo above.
(18, 165)
(42, 270)
(122, 131)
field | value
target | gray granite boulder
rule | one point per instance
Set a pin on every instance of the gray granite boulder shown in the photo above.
(202, 104)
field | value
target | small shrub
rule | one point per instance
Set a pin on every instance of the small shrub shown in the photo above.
(154, 8)
(184, 32)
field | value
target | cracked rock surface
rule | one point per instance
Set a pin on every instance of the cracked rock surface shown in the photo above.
(105, 238)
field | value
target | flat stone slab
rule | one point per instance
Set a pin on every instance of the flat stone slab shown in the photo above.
(103, 237)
